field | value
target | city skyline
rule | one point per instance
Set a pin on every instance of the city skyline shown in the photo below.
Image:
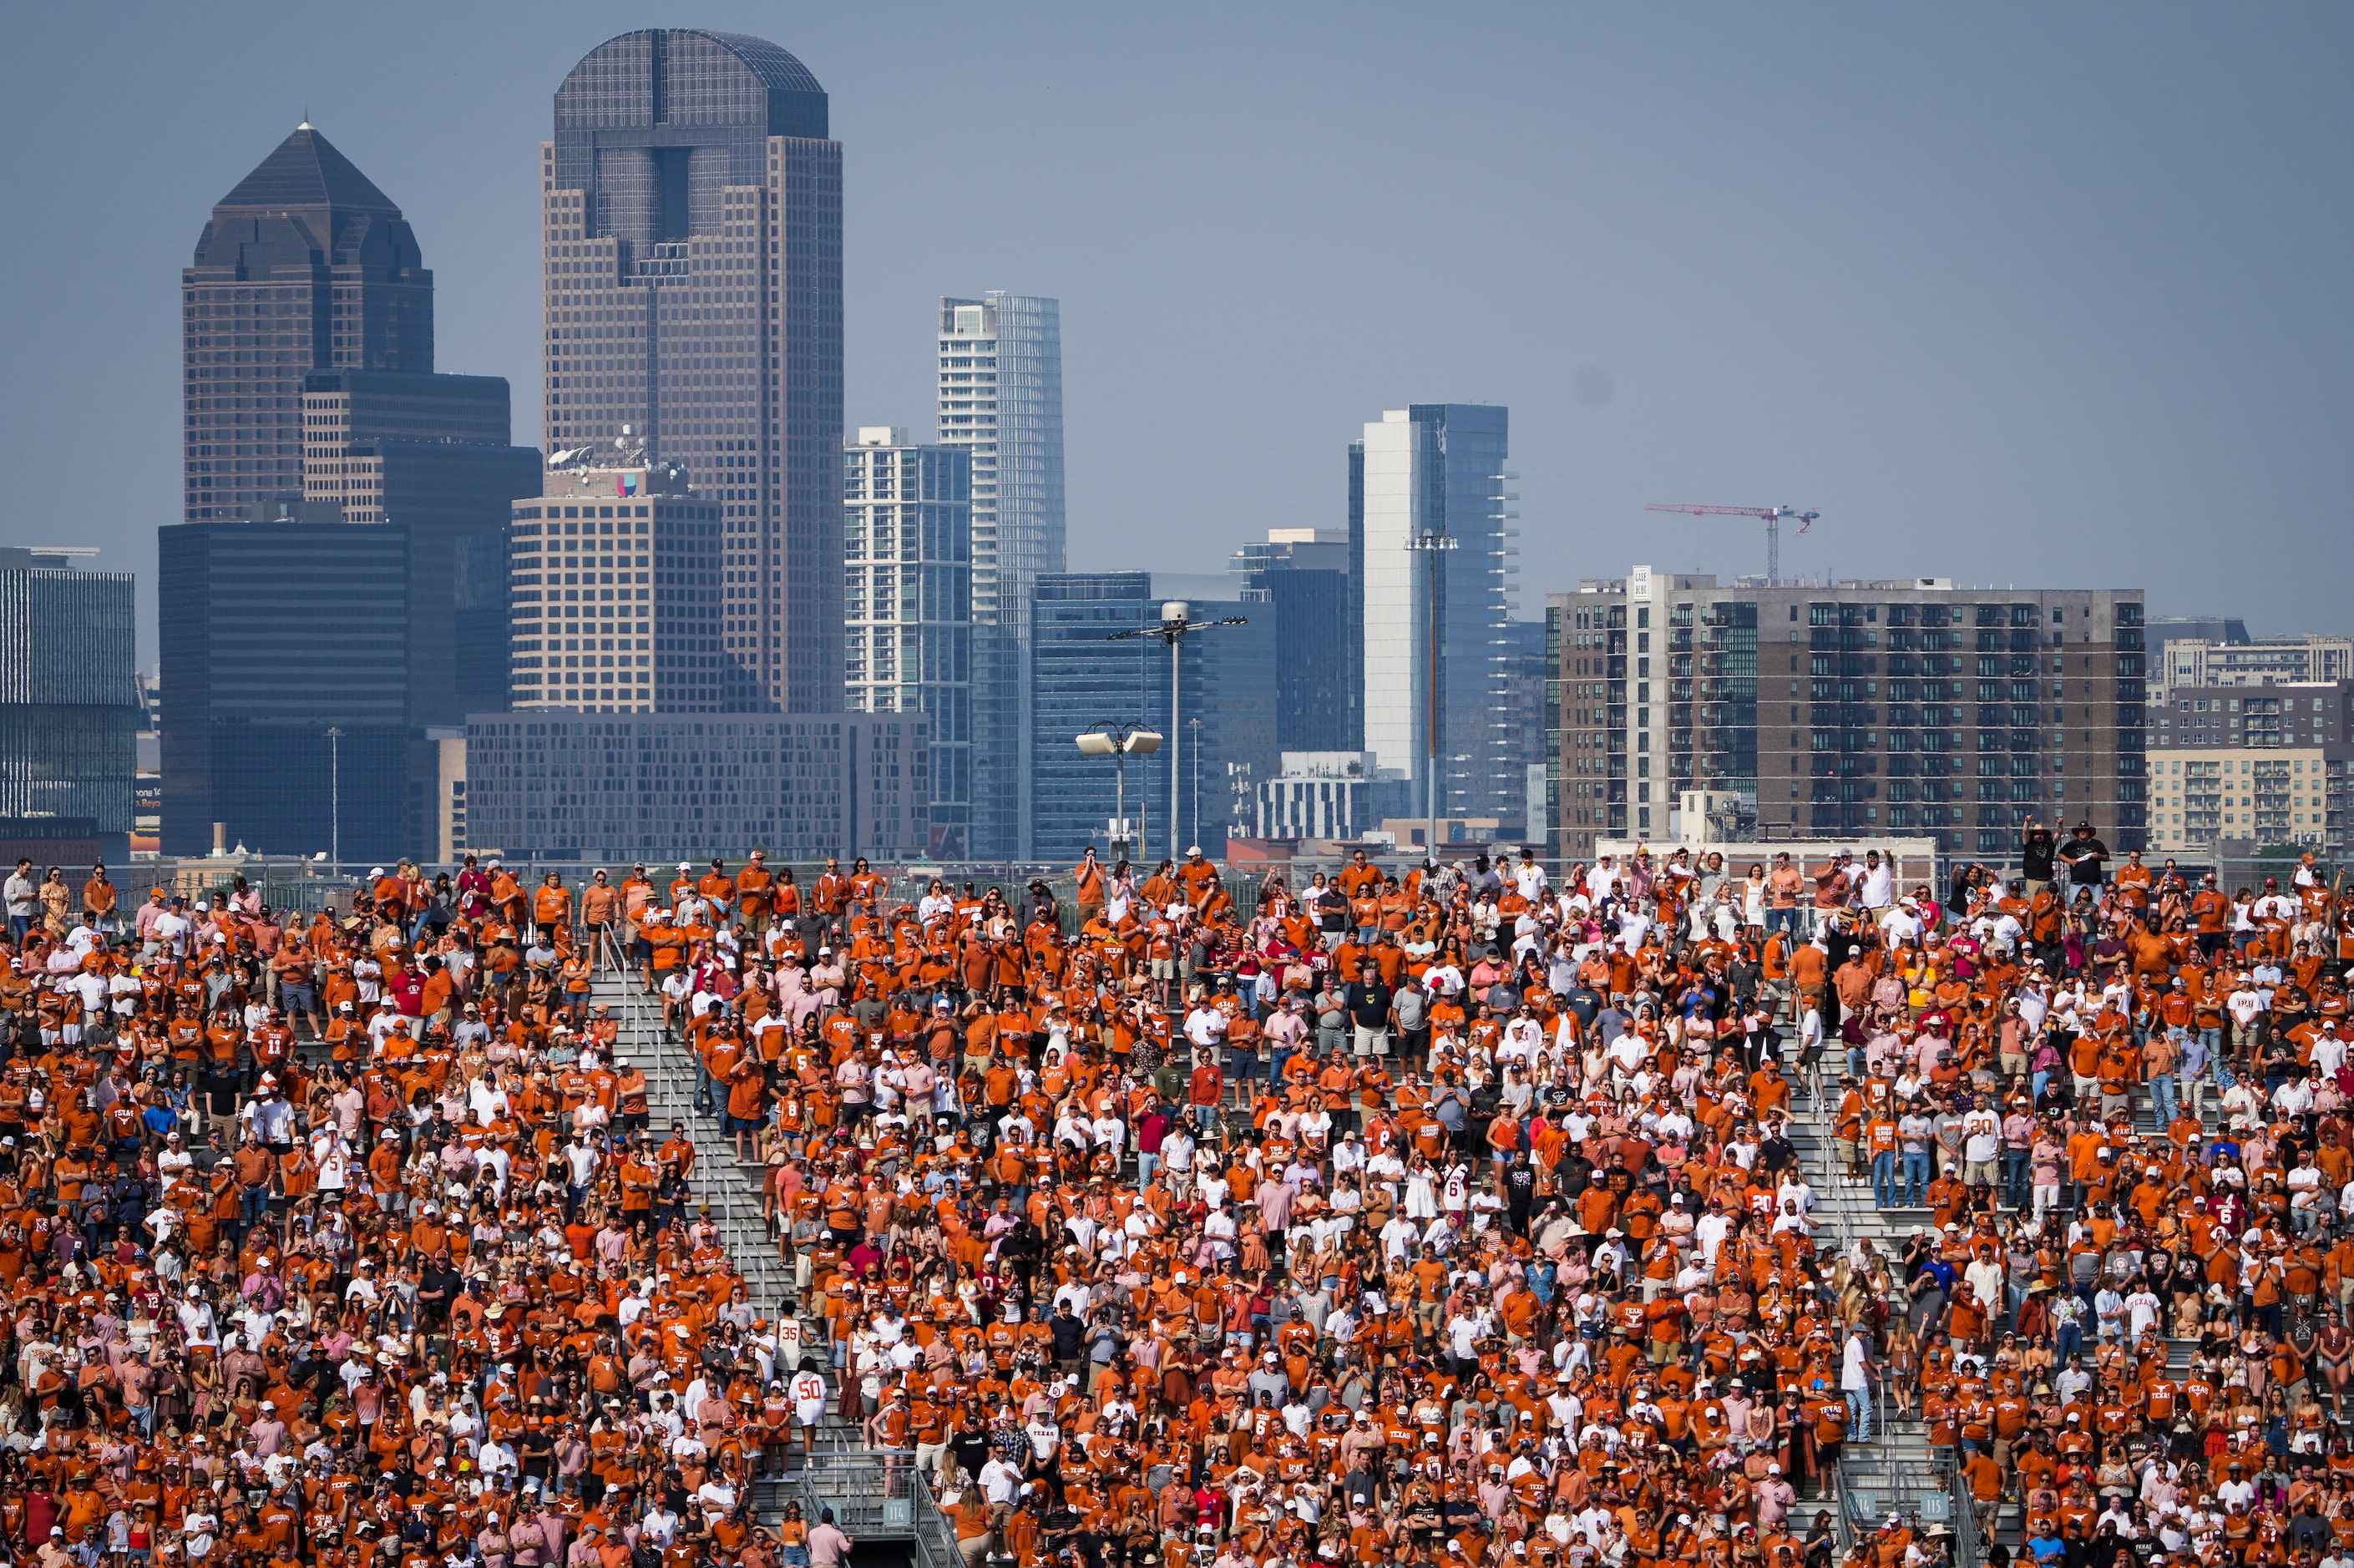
(1973, 370)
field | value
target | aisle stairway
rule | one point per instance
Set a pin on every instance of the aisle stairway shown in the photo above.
(1894, 1471)
(731, 1189)
(1899, 1472)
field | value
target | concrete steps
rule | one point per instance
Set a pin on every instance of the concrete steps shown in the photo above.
(732, 1189)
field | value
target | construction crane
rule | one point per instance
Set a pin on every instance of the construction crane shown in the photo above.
(1772, 516)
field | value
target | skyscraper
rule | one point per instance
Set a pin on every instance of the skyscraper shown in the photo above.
(274, 634)
(68, 708)
(1000, 396)
(1301, 575)
(907, 605)
(342, 563)
(1082, 679)
(616, 589)
(1429, 470)
(305, 266)
(691, 222)
(428, 454)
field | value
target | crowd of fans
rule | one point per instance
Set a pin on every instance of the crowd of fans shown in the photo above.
(1449, 1217)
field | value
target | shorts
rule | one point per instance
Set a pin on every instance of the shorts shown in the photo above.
(1848, 1148)
(1164, 968)
(1371, 1042)
(1978, 1172)
(299, 998)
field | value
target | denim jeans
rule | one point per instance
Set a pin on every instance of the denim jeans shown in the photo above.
(2162, 1097)
(1858, 1410)
(1916, 1178)
(2016, 1163)
(1883, 1179)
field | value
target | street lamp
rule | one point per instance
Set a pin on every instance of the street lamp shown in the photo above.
(1176, 620)
(335, 796)
(1195, 724)
(1116, 741)
(1431, 546)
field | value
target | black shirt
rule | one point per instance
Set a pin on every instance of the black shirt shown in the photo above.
(1369, 1005)
(2085, 856)
(2035, 855)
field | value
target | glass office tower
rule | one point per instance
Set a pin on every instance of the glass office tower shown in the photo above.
(1000, 398)
(691, 223)
(1438, 468)
(1083, 680)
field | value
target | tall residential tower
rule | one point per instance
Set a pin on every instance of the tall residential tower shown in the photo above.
(908, 606)
(1428, 471)
(1002, 398)
(691, 224)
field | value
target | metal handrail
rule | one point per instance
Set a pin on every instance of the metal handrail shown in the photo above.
(1931, 1489)
(643, 1021)
(878, 1494)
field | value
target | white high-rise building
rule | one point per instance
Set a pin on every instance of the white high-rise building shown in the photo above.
(1001, 397)
(907, 547)
(1438, 469)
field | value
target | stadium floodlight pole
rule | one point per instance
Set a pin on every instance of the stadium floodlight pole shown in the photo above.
(1176, 621)
(1116, 740)
(1431, 546)
(335, 796)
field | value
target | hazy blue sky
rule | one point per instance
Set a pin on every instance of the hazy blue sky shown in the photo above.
(2010, 293)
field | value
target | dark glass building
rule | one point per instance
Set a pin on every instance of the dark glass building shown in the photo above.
(1303, 575)
(691, 223)
(272, 634)
(305, 266)
(323, 453)
(69, 710)
(1082, 679)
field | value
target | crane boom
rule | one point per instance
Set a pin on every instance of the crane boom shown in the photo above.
(1771, 515)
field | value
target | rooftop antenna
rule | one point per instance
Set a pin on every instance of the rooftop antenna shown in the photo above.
(306, 119)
